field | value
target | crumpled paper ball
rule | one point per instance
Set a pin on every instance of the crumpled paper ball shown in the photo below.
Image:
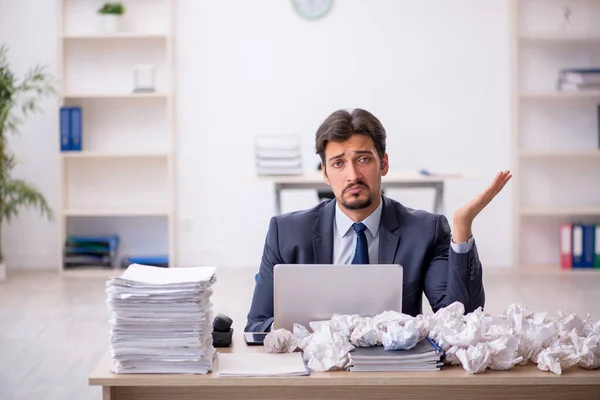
(327, 349)
(476, 341)
(399, 337)
(280, 341)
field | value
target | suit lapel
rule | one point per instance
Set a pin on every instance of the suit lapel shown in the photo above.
(389, 233)
(323, 235)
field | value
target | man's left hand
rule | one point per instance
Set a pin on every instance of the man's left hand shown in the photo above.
(464, 216)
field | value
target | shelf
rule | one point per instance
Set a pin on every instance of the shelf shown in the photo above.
(557, 38)
(113, 95)
(558, 211)
(92, 272)
(125, 212)
(112, 36)
(106, 154)
(560, 153)
(559, 95)
(555, 269)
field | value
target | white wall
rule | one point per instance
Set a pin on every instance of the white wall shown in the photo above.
(434, 72)
(29, 29)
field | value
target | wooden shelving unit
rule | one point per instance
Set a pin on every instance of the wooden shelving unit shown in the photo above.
(122, 182)
(555, 134)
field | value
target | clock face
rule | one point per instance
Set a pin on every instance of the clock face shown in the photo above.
(312, 9)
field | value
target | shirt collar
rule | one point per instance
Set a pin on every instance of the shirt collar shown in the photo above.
(344, 223)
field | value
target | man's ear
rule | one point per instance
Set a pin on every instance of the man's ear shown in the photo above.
(324, 171)
(385, 166)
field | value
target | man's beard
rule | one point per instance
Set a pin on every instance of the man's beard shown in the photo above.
(356, 204)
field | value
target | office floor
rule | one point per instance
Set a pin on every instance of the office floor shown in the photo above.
(54, 329)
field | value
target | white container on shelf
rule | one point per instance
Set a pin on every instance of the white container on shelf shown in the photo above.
(112, 23)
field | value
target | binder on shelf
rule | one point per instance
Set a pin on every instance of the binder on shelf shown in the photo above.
(65, 144)
(70, 128)
(155, 261)
(583, 245)
(566, 245)
(76, 128)
(577, 246)
(589, 232)
(597, 247)
(86, 251)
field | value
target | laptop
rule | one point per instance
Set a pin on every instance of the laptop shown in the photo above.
(315, 292)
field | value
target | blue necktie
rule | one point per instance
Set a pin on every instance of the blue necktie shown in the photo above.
(361, 256)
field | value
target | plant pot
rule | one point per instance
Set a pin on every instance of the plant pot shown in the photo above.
(2, 272)
(111, 22)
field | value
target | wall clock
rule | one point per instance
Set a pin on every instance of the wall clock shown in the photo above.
(312, 9)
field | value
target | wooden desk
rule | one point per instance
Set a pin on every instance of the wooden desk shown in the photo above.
(390, 181)
(522, 382)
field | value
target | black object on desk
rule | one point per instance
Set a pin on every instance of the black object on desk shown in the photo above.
(255, 338)
(222, 334)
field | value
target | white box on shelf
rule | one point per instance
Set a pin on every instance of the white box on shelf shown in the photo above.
(143, 79)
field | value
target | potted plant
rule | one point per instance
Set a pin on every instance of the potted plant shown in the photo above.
(112, 13)
(18, 99)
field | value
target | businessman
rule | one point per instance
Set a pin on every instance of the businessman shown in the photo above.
(363, 226)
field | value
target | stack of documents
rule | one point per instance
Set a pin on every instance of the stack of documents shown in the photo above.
(579, 79)
(278, 155)
(425, 356)
(161, 320)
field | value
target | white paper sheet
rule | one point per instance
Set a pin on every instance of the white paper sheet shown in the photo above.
(261, 364)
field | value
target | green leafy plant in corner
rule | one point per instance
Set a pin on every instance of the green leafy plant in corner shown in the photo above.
(112, 8)
(18, 99)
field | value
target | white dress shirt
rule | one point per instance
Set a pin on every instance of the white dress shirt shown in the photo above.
(344, 237)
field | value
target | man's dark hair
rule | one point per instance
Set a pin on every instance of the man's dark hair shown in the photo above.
(342, 124)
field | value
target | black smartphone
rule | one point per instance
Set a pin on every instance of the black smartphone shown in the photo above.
(255, 338)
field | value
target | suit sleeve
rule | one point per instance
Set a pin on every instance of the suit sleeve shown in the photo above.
(260, 316)
(453, 276)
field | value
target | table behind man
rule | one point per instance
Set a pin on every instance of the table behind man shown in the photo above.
(362, 226)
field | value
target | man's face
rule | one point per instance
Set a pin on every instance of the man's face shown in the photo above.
(353, 169)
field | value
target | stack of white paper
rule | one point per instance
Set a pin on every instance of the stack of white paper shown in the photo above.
(161, 320)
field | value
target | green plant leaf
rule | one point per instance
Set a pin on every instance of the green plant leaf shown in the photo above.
(17, 194)
(18, 99)
(112, 8)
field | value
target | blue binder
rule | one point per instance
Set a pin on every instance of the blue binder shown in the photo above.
(65, 130)
(583, 245)
(70, 129)
(75, 128)
(589, 233)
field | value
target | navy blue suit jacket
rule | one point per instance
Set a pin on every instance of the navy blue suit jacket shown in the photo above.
(417, 240)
